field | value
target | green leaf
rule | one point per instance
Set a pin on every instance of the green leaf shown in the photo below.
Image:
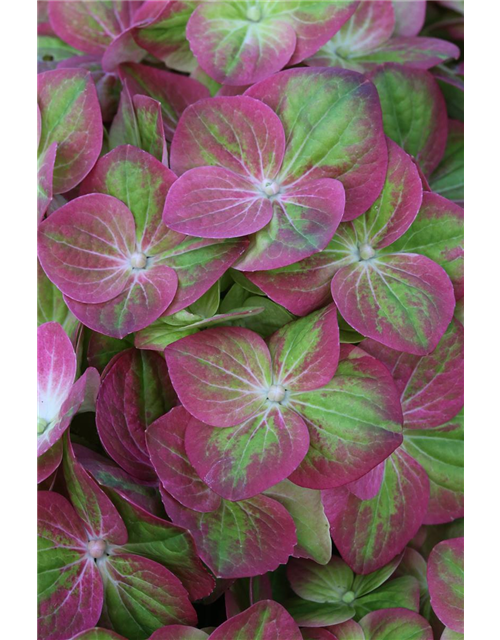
(306, 509)
(401, 592)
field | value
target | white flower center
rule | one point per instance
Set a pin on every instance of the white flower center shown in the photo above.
(254, 13)
(270, 188)
(276, 393)
(138, 260)
(97, 548)
(366, 252)
(42, 425)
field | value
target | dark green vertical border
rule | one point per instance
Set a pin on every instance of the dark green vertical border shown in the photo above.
(482, 389)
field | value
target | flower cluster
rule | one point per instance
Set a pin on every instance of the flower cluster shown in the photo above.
(250, 341)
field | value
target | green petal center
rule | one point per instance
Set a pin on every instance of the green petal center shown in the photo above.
(348, 597)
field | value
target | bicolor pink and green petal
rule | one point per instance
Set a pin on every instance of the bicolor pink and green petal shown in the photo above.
(59, 396)
(448, 177)
(162, 32)
(139, 122)
(174, 92)
(342, 138)
(238, 539)
(368, 39)
(354, 422)
(135, 391)
(445, 575)
(111, 255)
(265, 620)
(165, 439)
(153, 537)
(431, 386)
(414, 112)
(396, 623)
(109, 475)
(229, 152)
(370, 533)
(102, 520)
(238, 43)
(69, 585)
(71, 120)
(401, 299)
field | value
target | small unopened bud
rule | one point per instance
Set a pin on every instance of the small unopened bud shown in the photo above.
(366, 252)
(138, 260)
(270, 188)
(348, 597)
(276, 393)
(42, 424)
(254, 14)
(97, 548)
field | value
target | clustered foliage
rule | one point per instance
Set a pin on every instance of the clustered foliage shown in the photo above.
(250, 342)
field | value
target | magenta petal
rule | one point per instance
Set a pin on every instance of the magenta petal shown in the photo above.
(404, 301)
(445, 575)
(265, 620)
(238, 133)
(48, 462)
(84, 247)
(316, 26)
(165, 440)
(234, 50)
(149, 294)
(368, 485)
(245, 460)
(56, 368)
(134, 392)
(109, 475)
(304, 221)
(303, 286)
(122, 49)
(370, 533)
(431, 386)
(371, 25)
(221, 375)
(213, 202)
(72, 601)
(410, 17)
(89, 28)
